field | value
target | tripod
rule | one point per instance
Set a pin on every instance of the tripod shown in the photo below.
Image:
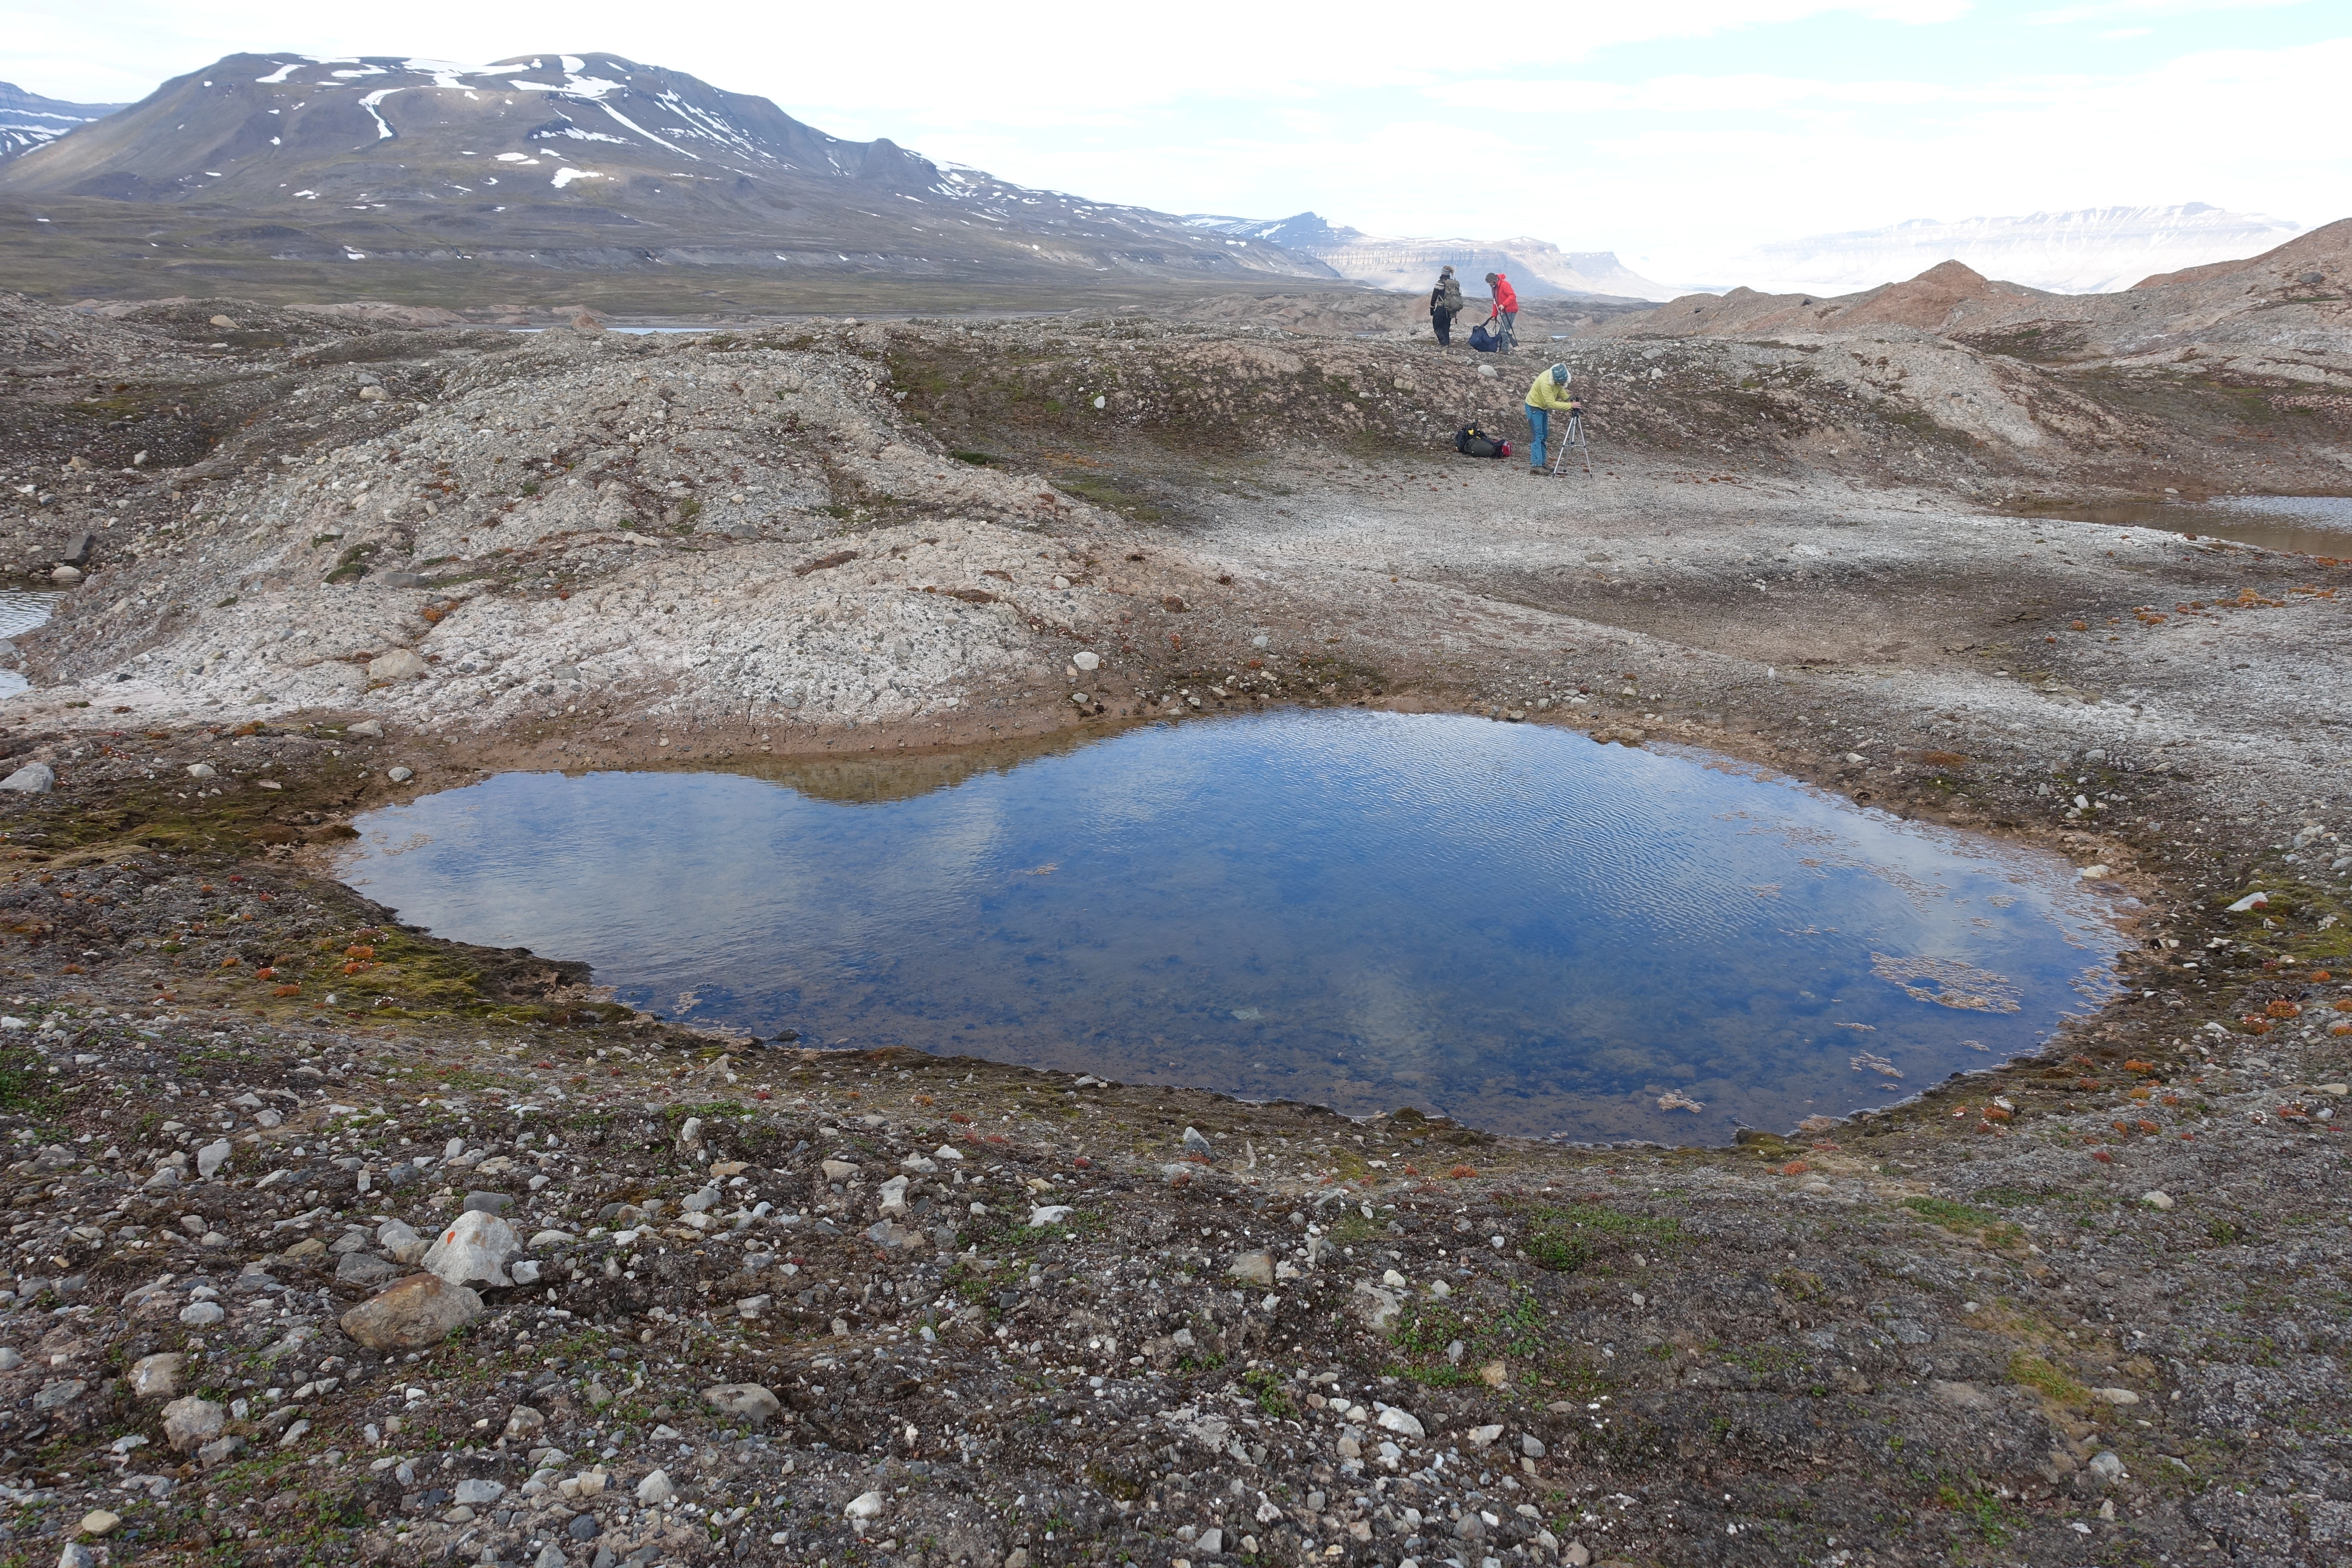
(1571, 436)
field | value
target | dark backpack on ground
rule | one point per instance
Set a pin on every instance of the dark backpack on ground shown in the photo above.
(1485, 341)
(1473, 442)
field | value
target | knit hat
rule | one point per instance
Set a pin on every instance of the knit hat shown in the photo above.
(1559, 376)
(1445, 272)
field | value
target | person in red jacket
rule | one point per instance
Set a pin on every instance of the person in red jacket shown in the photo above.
(1505, 313)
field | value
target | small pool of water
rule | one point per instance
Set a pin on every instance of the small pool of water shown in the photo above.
(2306, 525)
(21, 610)
(1505, 923)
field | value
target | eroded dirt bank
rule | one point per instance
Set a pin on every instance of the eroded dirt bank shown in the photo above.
(2084, 1309)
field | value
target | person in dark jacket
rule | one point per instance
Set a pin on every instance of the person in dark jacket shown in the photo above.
(1445, 304)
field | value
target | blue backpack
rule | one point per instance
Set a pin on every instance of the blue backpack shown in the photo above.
(1485, 341)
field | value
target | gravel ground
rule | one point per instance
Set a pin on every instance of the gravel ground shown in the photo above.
(2084, 1309)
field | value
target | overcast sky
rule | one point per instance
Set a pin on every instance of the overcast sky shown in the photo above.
(1675, 133)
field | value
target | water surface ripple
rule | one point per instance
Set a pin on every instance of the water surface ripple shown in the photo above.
(1505, 923)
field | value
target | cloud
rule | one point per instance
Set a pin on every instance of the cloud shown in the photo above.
(2148, 10)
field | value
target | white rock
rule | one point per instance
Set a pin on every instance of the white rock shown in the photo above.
(2250, 902)
(945, 1152)
(689, 1134)
(476, 1492)
(1400, 1422)
(1481, 1435)
(190, 1422)
(367, 730)
(33, 778)
(201, 770)
(864, 1506)
(655, 1490)
(1087, 660)
(547, 1238)
(1048, 1213)
(400, 776)
(201, 1314)
(2114, 1395)
(476, 1247)
(212, 1157)
(2156, 1200)
(157, 1376)
(893, 1195)
(524, 1270)
(400, 664)
(838, 1170)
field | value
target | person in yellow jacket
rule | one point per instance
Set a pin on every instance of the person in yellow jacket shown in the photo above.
(1548, 396)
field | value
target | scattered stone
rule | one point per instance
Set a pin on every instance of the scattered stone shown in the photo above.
(655, 1490)
(748, 1403)
(2157, 1199)
(212, 1157)
(1400, 1422)
(157, 1376)
(1195, 1144)
(366, 729)
(190, 1422)
(33, 778)
(1254, 1267)
(401, 1240)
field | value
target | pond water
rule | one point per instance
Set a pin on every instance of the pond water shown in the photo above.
(21, 610)
(2307, 526)
(1505, 923)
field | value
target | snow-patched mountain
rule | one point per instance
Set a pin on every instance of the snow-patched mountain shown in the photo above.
(1536, 268)
(573, 162)
(28, 120)
(2097, 250)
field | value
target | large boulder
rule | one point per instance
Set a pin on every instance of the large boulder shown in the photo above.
(420, 1311)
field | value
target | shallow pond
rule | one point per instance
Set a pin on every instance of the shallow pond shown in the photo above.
(21, 610)
(1506, 923)
(2308, 525)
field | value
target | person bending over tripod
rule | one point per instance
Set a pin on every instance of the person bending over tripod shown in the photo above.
(1548, 396)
